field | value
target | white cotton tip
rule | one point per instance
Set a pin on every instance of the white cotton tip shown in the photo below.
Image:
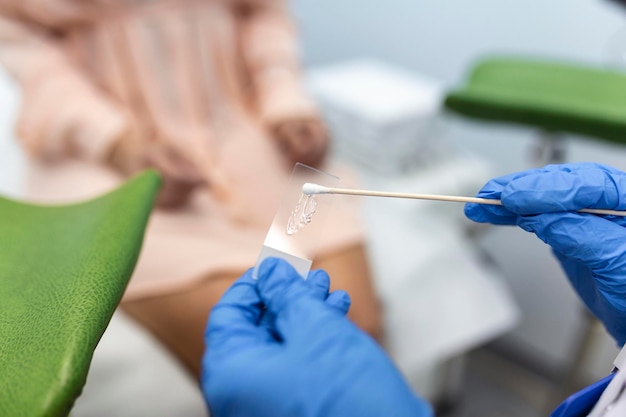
(310, 189)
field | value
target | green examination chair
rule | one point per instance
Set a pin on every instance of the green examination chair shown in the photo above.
(555, 97)
(63, 270)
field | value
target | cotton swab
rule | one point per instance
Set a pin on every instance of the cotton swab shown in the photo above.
(311, 189)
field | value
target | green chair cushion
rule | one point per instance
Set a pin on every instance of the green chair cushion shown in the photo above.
(554, 96)
(63, 270)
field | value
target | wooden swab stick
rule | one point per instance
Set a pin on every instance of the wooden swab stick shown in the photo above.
(310, 189)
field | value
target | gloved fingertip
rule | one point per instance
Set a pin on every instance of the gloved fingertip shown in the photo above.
(279, 283)
(320, 283)
(318, 275)
(339, 300)
(267, 267)
(473, 212)
(481, 213)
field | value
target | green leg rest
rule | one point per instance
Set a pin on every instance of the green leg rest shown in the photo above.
(554, 96)
(63, 270)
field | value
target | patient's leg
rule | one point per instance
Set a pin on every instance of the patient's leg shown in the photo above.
(179, 319)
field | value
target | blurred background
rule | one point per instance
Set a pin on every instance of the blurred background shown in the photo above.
(495, 329)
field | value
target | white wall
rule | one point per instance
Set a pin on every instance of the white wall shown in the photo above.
(441, 39)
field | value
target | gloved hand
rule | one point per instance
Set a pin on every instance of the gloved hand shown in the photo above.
(282, 347)
(591, 248)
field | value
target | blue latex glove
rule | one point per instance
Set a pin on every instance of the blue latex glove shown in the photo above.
(282, 347)
(591, 248)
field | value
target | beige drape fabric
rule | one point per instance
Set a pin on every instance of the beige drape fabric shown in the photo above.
(205, 76)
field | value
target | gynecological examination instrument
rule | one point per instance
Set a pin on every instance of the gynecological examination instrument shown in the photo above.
(313, 189)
